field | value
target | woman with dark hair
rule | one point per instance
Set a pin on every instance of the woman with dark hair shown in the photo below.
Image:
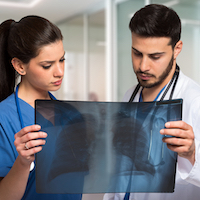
(33, 49)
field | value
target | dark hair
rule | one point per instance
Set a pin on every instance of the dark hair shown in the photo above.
(22, 40)
(156, 20)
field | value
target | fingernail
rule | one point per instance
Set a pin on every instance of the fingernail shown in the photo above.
(161, 131)
(45, 134)
(167, 124)
(38, 126)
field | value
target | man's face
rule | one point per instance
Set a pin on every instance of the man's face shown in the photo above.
(153, 60)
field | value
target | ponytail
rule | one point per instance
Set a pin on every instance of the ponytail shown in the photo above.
(7, 72)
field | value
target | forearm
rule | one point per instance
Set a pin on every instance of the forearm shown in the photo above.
(13, 185)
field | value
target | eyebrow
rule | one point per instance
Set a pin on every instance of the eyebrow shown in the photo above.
(49, 61)
(151, 54)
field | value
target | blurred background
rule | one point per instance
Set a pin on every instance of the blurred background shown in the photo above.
(97, 42)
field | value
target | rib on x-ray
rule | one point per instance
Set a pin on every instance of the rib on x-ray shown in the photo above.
(98, 147)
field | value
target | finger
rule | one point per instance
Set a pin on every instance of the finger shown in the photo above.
(29, 154)
(185, 144)
(178, 125)
(173, 132)
(26, 146)
(179, 133)
(27, 129)
(20, 141)
(34, 143)
(175, 141)
(33, 136)
(181, 150)
(175, 148)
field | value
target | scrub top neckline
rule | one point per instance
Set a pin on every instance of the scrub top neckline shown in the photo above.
(18, 105)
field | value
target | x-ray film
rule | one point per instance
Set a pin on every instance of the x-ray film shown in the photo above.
(103, 147)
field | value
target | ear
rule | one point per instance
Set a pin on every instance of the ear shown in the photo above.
(178, 48)
(19, 66)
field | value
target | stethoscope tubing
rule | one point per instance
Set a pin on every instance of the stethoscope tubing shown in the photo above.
(19, 109)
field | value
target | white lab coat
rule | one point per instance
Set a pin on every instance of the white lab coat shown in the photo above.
(187, 186)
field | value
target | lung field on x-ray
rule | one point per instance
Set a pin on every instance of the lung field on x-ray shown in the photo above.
(97, 147)
(131, 140)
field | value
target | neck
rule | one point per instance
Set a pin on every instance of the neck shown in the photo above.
(29, 94)
(149, 94)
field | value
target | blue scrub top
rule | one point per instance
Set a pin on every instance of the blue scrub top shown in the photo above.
(9, 125)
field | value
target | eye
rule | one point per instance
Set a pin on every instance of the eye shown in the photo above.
(62, 60)
(138, 54)
(46, 66)
(155, 57)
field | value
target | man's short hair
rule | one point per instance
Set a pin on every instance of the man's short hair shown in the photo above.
(156, 20)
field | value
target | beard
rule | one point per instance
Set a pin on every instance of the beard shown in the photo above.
(161, 78)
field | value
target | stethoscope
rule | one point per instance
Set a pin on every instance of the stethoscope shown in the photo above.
(174, 82)
(20, 114)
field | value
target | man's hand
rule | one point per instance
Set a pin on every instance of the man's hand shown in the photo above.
(182, 141)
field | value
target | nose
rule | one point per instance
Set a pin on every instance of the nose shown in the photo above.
(144, 64)
(59, 70)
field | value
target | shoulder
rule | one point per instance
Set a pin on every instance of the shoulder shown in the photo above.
(7, 104)
(188, 89)
(8, 110)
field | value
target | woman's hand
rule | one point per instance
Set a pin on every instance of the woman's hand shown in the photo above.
(29, 141)
(183, 140)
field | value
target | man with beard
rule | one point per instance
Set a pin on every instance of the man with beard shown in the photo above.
(156, 32)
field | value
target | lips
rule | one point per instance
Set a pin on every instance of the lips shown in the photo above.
(57, 82)
(144, 76)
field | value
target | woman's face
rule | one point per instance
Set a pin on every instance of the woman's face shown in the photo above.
(45, 72)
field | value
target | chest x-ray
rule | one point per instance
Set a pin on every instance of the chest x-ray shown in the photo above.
(98, 147)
